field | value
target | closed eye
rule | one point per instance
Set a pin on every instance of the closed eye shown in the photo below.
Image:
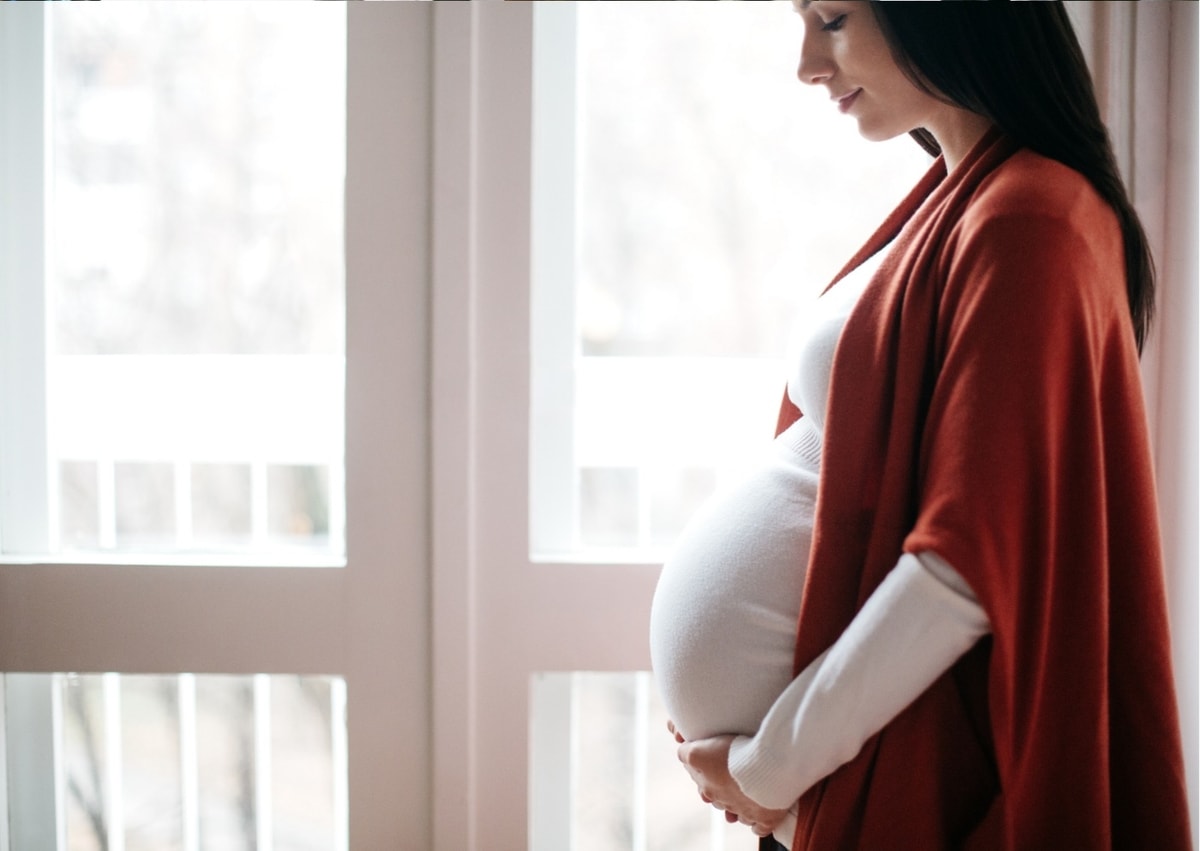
(835, 24)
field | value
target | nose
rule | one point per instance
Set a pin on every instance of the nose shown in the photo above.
(815, 66)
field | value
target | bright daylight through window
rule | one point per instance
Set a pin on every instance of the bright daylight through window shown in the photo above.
(196, 281)
(702, 181)
(180, 359)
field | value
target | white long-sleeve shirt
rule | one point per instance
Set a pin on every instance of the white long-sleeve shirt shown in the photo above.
(724, 614)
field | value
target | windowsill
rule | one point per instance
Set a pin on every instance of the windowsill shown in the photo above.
(650, 558)
(172, 560)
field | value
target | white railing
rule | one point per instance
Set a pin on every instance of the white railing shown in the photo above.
(182, 411)
(653, 415)
(251, 410)
(624, 792)
(39, 761)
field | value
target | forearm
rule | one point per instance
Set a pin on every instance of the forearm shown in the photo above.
(918, 623)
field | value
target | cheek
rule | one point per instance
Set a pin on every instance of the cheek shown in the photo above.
(903, 104)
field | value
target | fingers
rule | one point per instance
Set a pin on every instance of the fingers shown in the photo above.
(674, 732)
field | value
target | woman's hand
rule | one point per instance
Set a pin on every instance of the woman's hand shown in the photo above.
(707, 761)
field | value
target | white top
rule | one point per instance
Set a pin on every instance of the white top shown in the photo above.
(723, 620)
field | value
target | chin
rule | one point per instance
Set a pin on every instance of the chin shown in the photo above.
(875, 133)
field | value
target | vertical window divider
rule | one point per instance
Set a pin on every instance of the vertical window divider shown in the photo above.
(640, 761)
(4, 844)
(554, 252)
(453, 555)
(114, 767)
(263, 822)
(32, 731)
(339, 752)
(189, 762)
(32, 706)
(26, 502)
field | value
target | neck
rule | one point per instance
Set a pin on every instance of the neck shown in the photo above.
(957, 131)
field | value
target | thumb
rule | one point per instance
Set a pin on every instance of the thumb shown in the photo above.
(686, 752)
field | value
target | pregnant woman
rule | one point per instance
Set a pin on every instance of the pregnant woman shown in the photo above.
(934, 617)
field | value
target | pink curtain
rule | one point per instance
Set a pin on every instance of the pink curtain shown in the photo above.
(1144, 61)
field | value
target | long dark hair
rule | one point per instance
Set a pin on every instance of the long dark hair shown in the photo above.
(1020, 65)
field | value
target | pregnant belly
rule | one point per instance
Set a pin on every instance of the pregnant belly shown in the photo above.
(723, 621)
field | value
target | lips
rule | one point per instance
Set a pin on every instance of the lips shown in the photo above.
(847, 100)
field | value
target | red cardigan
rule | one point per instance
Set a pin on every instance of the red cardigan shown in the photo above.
(986, 404)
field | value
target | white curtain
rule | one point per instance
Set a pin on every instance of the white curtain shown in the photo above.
(1144, 61)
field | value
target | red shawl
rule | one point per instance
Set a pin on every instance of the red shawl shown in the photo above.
(986, 404)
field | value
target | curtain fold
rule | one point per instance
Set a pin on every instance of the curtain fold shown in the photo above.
(1143, 58)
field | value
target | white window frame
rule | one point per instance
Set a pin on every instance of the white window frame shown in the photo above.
(498, 615)
(367, 622)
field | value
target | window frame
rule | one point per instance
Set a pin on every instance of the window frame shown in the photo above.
(499, 615)
(148, 617)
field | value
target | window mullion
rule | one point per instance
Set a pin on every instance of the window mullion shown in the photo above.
(32, 721)
(554, 250)
(25, 486)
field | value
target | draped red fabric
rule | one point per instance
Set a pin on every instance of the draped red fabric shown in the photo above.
(986, 404)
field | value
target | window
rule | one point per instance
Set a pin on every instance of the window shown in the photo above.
(195, 279)
(141, 636)
(581, 389)
(683, 213)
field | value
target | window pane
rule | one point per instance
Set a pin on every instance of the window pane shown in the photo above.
(298, 497)
(199, 155)
(197, 272)
(221, 762)
(221, 503)
(618, 783)
(79, 492)
(715, 190)
(689, 199)
(145, 504)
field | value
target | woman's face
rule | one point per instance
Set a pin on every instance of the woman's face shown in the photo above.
(845, 51)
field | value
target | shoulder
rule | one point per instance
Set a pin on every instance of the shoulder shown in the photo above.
(1030, 186)
(1036, 217)
(1036, 247)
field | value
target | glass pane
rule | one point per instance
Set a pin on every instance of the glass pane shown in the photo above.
(625, 786)
(79, 493)
(608, 499)
(85, 761)
(298, 500)
(145, 504)
(221, 503)
(688, 200)
(151, 755)
(302, 788)
(197, 272)
(206, 762)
